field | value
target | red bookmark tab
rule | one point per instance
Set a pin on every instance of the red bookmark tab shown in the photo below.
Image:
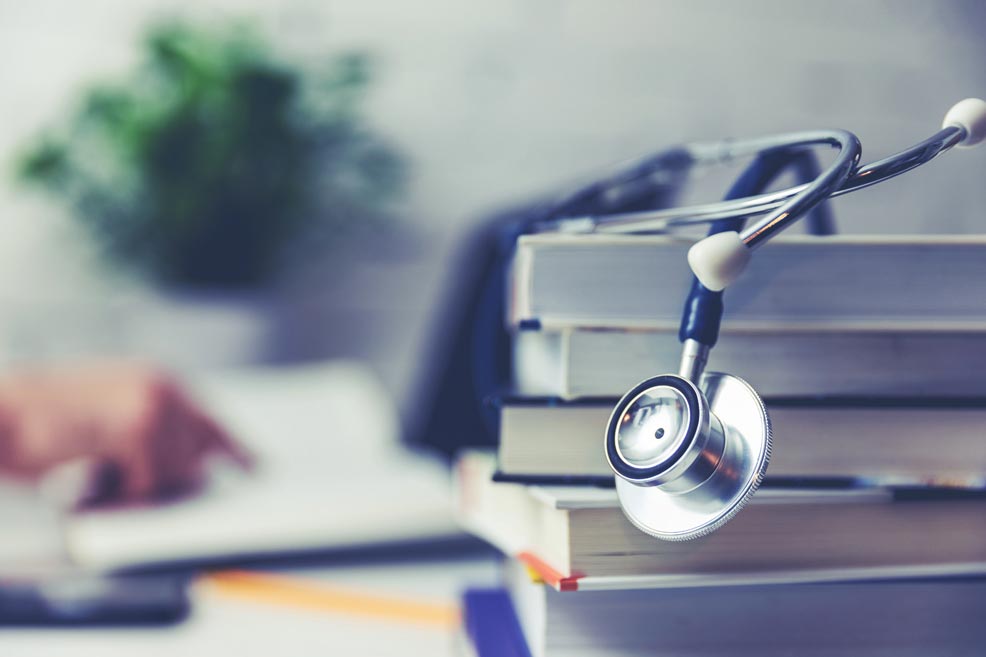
(549, 574)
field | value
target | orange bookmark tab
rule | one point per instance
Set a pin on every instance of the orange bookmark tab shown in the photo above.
(277, 590)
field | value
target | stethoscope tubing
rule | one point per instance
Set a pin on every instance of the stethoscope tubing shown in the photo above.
(658, 221)
(816, 191)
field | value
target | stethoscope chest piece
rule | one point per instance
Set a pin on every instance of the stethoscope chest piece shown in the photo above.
(687, 458)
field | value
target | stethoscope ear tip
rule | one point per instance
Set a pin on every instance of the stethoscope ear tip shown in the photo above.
(970, 115)
(718, 260)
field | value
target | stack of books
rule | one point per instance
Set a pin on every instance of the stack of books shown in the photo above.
(869, 534)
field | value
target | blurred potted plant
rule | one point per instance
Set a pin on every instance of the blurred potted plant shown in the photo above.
(217, 159)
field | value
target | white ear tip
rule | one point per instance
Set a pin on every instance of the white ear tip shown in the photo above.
(719, 259)
(971, 115)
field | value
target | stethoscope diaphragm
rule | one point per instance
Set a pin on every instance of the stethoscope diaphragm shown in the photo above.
(687, 458)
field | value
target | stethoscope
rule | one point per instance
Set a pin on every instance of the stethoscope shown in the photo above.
(690, 449)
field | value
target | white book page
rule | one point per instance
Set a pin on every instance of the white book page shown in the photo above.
(330, 473)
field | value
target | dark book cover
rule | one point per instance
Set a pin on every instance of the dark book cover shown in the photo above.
(492, 625)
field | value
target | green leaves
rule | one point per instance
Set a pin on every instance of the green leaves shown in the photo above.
(215, 157)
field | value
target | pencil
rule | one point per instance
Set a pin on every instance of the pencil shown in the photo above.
(284, 591)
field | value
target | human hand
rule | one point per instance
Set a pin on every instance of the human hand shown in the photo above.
(130, 430)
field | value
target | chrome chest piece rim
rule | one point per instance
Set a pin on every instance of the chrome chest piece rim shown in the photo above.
(716, 447)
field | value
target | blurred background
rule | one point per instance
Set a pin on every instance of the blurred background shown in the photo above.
(237, 186)
(419, 119)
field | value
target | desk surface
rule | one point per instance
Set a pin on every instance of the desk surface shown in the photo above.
(318, 404)
(221, 624)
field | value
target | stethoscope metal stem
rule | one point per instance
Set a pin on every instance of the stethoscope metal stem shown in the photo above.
(694, 358)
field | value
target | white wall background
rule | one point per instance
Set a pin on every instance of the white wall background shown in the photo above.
(498, 99)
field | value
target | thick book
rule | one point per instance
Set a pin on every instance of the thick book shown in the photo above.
(574, 363)
(893, 442)
(836, 283)
(875, 618)
(577, 538)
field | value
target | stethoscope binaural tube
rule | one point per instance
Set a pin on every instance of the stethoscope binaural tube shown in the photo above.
(718, 260)
(751, 206)
(962, 128)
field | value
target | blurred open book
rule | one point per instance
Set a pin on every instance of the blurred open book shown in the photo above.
(331, 474)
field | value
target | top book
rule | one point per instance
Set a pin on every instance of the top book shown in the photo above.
(840, 282)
